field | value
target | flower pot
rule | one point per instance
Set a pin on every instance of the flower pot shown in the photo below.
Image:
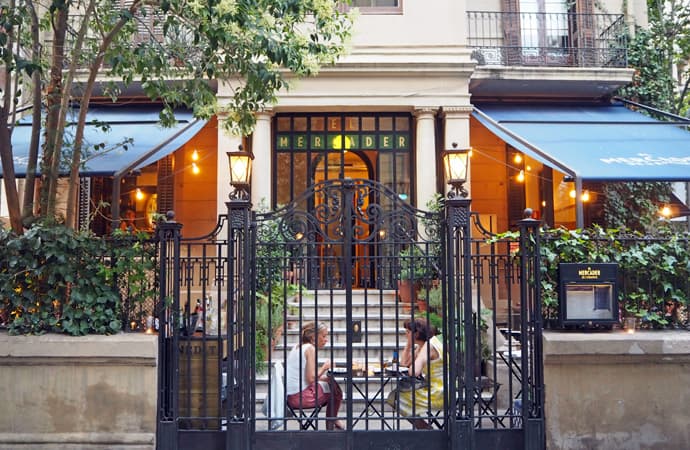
(407, 291)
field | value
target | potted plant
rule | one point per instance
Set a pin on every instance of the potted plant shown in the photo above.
(419, 265)
(435, 300)
(412, 272)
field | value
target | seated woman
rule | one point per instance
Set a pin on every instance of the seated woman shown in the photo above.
(306, 385)
(427, 351)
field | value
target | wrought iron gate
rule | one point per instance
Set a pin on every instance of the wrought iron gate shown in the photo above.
(233, 304)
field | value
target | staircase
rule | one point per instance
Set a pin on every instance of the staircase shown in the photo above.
(380, 317)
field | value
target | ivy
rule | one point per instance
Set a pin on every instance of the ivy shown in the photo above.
(55, 279)
(653, 269)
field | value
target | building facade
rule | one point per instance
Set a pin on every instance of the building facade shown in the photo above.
(408, 89)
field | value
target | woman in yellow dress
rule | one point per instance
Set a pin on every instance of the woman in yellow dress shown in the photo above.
(427, 350)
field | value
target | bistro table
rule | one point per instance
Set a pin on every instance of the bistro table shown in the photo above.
(360, 385)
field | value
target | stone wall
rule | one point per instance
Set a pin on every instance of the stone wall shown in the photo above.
(615, 390)
(78, 393)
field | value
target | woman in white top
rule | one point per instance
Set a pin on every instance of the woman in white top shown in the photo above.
(308, 386)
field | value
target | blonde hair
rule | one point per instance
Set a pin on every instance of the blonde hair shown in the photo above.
(310, 330)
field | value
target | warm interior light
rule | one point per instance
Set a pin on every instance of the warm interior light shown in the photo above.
(195, 169)
(517, 159)
(339, 140)
(665, 211)
(195, 155)
(528, 168)
(139, 194)
(543, 203)
(521, 176)
(585, 196)
(572, 193)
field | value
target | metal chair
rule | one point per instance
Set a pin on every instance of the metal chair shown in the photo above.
(307, 417)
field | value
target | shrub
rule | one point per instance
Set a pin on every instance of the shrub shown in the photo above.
(55, 279)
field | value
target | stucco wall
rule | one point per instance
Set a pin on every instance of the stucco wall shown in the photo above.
(617, 391)
(92, 392)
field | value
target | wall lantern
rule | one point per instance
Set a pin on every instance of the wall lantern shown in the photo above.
(455, 163)
(240, 172)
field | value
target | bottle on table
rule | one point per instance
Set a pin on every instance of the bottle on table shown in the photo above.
(394, 361)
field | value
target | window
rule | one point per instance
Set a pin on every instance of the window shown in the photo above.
(544, 26)
(378, 6)
(310, 148)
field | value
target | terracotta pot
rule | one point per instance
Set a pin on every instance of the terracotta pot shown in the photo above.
(407, 291)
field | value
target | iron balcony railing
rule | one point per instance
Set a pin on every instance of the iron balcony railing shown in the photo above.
(547, 39)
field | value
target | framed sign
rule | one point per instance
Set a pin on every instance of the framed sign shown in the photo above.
(588, 295)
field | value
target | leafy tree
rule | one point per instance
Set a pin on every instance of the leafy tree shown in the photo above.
(635, 205)
(174, 48)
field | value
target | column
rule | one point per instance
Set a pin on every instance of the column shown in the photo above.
(457, 129)
(425, 156)
(261, 169)
(226, 143)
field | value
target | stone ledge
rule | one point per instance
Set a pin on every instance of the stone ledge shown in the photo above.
(80, 438)
(653, 345)
(118, 346)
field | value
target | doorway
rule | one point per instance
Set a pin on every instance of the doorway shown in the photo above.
(313, 148)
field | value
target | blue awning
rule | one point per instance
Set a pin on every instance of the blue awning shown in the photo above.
(593, 142)
(117, 139)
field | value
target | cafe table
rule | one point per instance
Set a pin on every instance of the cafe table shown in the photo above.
(360, 380)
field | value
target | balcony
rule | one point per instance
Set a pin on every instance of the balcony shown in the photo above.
(547, 39)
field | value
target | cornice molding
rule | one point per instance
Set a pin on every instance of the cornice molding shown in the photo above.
(448, 111)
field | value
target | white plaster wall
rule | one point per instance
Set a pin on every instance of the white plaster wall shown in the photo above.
(422, 23)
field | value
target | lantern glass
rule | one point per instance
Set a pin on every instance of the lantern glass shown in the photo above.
(455, 165)
(240, 168)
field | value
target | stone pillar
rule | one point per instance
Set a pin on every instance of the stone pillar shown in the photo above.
(457, 129)
(226, 143)
(261, 169)
(425, 156)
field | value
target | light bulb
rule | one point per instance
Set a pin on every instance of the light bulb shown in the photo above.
(521, 176)
(195, 169)
(139, 194)
(195, 155)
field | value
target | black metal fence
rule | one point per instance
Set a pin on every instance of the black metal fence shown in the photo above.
(547, 39)
(233, 303)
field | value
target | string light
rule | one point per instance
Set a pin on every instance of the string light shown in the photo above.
(521, 176)
(195, 169)
(665, 211)
(585, 197)
(139, 194)
(195, 155)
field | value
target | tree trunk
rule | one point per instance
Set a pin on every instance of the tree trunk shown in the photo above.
(32, 163)
(51, 154)
(73, 187)
(8, 176)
